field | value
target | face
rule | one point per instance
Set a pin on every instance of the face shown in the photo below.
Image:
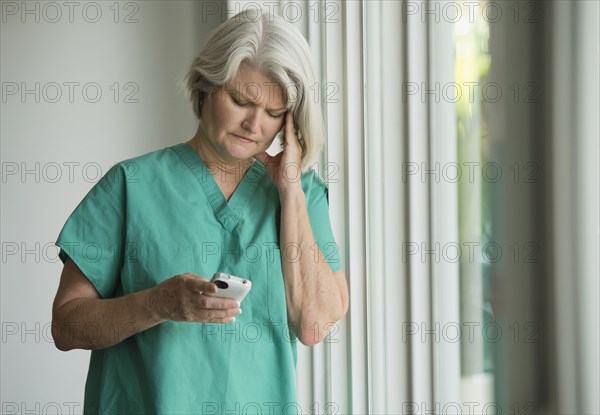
(242, 118)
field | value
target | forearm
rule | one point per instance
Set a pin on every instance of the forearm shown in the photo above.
(313, 296)
(89, 323)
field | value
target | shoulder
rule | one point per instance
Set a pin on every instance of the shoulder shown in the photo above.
(134, 169)
(152, 158)
(310, 177)
(314, 185)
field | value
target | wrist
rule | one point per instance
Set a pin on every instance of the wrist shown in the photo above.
(150, 301)
(291, 194)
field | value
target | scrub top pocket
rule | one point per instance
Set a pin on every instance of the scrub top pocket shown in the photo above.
(158, 262)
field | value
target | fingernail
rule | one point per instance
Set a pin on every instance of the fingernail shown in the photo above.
(232, 319)
(238, 304)
(240, 311)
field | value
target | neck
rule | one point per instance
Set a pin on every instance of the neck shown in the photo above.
(216, 164)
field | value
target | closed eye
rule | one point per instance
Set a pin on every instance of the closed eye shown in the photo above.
(238, 103)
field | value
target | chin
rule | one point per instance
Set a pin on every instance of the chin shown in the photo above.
(240, 154)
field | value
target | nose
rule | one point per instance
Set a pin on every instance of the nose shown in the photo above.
(252, 120)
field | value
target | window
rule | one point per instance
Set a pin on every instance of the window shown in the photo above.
(478, 249)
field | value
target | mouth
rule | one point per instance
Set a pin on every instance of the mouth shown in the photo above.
(243, 139)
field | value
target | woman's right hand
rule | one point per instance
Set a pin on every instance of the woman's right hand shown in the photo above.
(181, 298)
(78, 306)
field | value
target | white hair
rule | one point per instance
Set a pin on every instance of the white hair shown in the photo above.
(272, 46)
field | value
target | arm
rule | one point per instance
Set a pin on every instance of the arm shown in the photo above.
(316, 297)
(81, 319)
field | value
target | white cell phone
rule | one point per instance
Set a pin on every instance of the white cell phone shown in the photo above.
(230, 286)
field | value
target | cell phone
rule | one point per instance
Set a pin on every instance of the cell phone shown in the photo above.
(230, 286)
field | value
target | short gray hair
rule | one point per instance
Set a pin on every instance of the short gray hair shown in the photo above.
(273, 47)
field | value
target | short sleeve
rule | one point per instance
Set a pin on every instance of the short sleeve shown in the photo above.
(93, 234)
(317, 195)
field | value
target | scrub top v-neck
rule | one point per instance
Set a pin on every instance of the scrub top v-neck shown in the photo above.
(227, 211)
(162, 214)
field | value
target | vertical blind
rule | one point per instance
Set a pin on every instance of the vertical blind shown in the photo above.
(370, 56)
(377, 62)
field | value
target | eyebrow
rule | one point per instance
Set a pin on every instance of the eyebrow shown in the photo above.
(241, 94)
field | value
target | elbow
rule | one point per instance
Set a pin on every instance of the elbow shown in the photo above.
(60, 341)
(316, 331)
(308, 342)
(316, 325)
(62, 336)
(313, 335)
(62, 347)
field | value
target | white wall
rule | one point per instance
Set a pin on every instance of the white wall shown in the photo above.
(67, 145)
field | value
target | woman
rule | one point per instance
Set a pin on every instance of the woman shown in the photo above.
(139, 249)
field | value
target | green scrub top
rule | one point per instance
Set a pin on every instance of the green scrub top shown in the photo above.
(162, 214)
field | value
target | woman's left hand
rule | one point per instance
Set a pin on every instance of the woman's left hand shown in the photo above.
(285, 169)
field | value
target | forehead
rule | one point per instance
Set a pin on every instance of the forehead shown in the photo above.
(256, 86)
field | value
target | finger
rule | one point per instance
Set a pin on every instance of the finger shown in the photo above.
(218, 303)
(224, 320)
(191, 274)
(290, 128)
(215, 315)
(199, 284)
